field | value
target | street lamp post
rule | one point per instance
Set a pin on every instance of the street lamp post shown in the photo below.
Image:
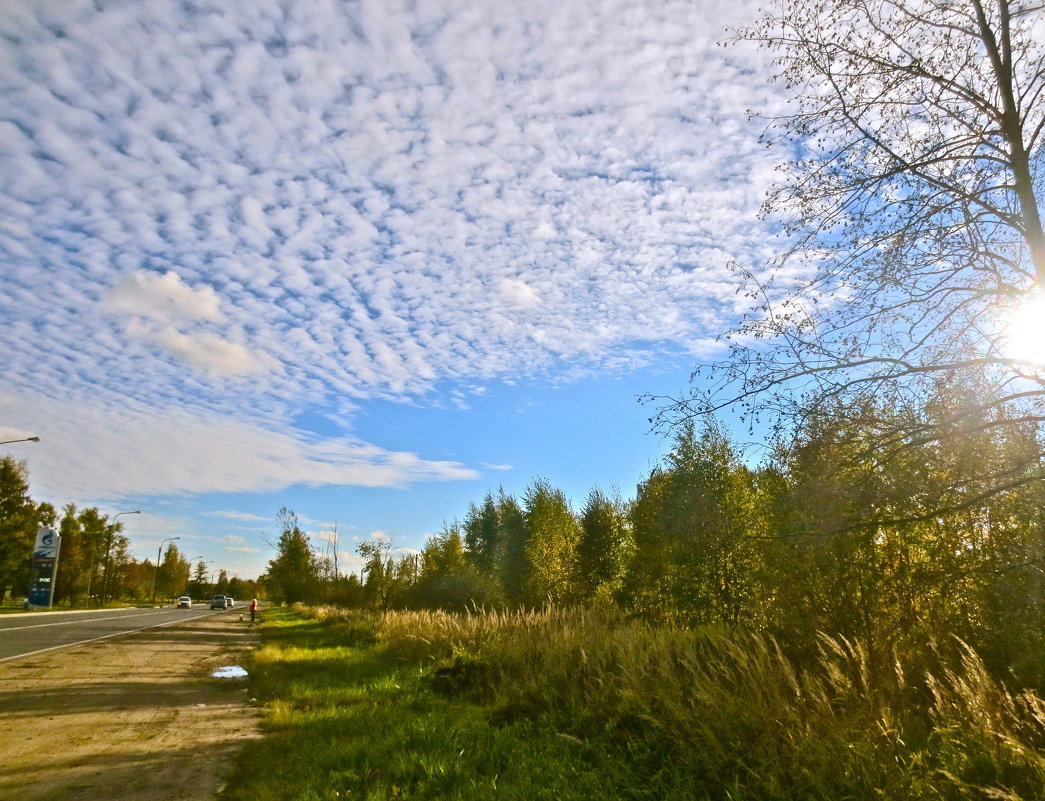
(26, 439)
(108, 547)
(156, 580)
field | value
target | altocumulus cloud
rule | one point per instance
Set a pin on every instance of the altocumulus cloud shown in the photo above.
(211, 211)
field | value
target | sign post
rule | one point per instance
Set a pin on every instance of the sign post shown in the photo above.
(45, 561)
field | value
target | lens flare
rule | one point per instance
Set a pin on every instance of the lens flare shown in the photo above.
(1024, 336)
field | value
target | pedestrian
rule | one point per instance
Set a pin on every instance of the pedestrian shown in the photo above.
(253, 609)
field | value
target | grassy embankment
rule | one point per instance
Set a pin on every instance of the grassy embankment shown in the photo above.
(564, 705)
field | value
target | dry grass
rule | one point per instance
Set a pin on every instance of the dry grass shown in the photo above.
(733, 715)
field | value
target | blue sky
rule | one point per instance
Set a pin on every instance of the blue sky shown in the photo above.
(367, 260)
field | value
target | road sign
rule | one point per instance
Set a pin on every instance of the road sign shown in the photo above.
(45, 560)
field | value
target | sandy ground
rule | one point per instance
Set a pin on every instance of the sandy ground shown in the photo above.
(128, 719)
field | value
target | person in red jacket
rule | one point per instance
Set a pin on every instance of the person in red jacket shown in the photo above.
(253, 609)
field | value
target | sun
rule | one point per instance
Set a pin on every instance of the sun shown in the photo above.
(1024, 336)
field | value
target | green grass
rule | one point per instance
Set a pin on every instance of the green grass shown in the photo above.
(580, 705)
(347, 721)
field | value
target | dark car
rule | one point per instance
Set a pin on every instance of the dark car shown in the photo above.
(217, 602)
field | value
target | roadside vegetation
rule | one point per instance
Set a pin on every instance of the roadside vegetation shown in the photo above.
(568, 704)
(96, 567)
(822, 538)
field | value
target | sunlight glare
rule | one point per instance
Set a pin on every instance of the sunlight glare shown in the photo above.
(1024, 337)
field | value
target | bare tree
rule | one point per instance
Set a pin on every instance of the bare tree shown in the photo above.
(911, 206)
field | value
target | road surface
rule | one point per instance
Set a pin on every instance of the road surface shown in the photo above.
(32, 633)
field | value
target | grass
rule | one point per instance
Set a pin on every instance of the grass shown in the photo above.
(348, 721)
(580, 705)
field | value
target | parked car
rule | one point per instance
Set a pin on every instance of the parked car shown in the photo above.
(185, 602)
(217, 602)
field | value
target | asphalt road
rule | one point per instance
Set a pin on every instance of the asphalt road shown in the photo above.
(22, 635)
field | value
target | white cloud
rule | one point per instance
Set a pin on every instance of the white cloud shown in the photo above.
(164, 298)
(247, 516)
(205, 350)
(369, 200)
(96, 452)
(517, 293)
(157, 307)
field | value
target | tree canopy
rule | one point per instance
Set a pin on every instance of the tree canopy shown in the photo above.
(294, 574)
(911, 199)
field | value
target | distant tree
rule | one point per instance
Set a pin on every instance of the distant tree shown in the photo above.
(444, 553)
(379, 570)
(551, 550)
(695, 559)
(513, 565)
(651, 575)
(448, 578)
(345, 591)
(18, 524)
(84, 540)
(47, 514)
(604, 545)
(899, 551)
(134, 579)
(332, 554)
(825, 568)
(240, 589)
(199, 586)
(115, 557)
(482, 533)
(95, 537)
(170, 577)
(293, 575)
(73, 560)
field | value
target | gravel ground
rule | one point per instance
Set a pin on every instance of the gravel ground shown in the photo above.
(134, 718)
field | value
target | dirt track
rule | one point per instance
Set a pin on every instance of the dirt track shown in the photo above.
(135, 718)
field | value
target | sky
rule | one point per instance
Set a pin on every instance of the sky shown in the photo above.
(366, 260)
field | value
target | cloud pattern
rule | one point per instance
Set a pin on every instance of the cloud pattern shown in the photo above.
(218, 211)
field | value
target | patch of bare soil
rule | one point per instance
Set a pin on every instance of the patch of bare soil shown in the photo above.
(135, 718)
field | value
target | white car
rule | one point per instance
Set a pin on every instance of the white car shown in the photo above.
(185, 602)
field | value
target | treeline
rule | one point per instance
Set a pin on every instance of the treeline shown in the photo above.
(890, 549)
(94, 564)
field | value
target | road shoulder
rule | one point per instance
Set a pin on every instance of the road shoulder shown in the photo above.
(133, 718)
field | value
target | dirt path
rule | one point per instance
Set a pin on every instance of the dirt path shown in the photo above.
(136, 718)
